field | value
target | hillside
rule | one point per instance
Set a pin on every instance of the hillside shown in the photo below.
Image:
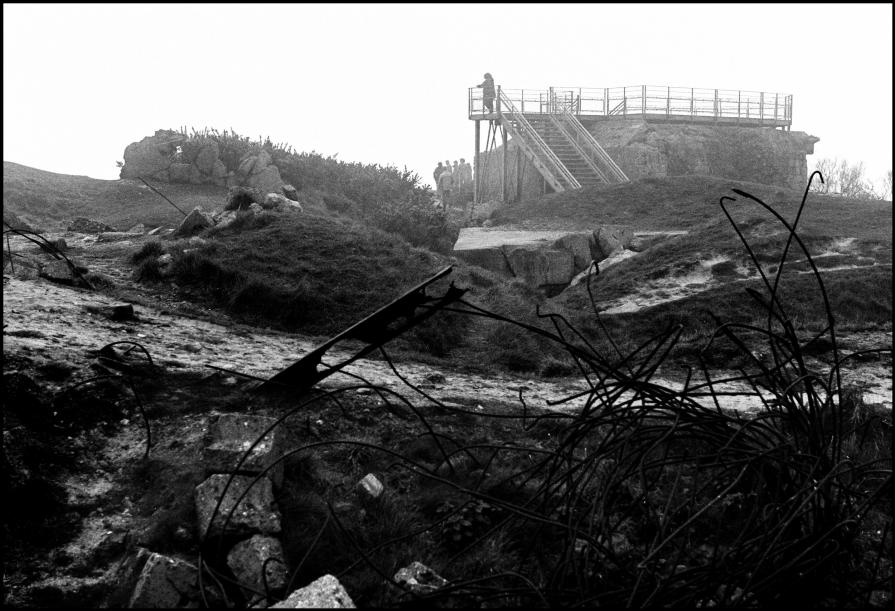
(52, 200)
(471, 444)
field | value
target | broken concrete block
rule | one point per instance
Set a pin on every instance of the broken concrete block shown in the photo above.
(247, 558)
(419, 579)
(370, 487)
(166, 583)
(230, 436)
(324, 593)
(255, 513)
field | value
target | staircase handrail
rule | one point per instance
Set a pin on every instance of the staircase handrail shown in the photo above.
(585, 135)
(528, 131)
(588, 158)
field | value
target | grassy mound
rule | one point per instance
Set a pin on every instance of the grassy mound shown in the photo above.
(681, 202)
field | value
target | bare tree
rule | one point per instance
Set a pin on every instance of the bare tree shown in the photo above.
(844, 178)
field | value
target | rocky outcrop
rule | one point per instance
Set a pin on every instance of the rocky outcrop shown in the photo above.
(171, 156)
(152, 156)
(85, 225)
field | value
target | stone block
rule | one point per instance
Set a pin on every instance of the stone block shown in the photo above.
(324, 593)
(247, 558)
(267, 181)
(256, 512)
(230, 436)
(542, 267)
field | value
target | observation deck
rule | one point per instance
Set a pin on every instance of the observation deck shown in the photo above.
(647, 102)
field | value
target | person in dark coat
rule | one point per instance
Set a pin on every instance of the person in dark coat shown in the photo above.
(488, 92)
(438, 172)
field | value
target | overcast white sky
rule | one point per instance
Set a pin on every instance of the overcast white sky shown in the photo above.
(387, 83)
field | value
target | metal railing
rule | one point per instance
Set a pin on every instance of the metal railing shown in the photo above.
(544, 159)
(678, 103)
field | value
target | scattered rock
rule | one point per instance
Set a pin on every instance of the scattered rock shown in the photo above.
(139, 228)
(85, 225)
(268, 181)
(256, 512)
(166, 583)
(121, 312)
(324, 593)
(255, 208)
(419, 579)
(290, 192)
(195, 221)
(59, 244)
(370, 487)
(247, 558)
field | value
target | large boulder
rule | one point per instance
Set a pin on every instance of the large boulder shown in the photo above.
(152, 156)
(166, 583)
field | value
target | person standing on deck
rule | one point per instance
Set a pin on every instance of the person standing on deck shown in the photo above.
(463, 178)
(438, 172)
(488, 92)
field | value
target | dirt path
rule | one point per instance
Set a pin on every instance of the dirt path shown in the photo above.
(45, 319)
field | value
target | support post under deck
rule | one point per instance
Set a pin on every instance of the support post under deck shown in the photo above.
(476, 181)
(506, 161)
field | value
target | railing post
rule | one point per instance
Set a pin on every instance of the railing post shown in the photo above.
(776, 99)
(523, 101)
(761, 108)
(606, 101)
(716, 104)
(691, 102)
(643, 100)
(739, 100)
(668, 102)
(498, 100)
(624, 101)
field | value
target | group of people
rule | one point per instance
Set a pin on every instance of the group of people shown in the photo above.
(453, 181)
